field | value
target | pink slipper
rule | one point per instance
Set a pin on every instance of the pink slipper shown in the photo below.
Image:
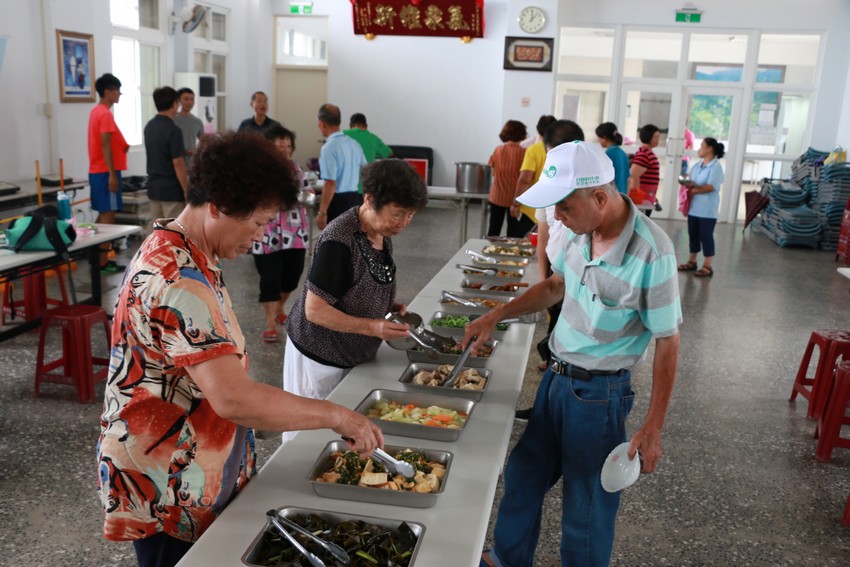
(281, 319)
(270, 336)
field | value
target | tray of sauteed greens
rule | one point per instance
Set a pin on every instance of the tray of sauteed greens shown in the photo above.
(453, 323)
(337, 539)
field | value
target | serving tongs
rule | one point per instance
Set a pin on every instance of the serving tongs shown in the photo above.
(338, 553)
(450, 380)
(482, 257)
(485, 271)
(447, 295)
(312, 558)
(393, 465)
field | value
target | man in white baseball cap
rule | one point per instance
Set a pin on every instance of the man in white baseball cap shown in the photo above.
(616, 273)
(576, 165)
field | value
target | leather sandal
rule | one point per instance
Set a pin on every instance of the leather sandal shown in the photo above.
(687, 267)
(704, 272)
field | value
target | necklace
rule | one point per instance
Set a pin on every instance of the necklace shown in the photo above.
(185, 232)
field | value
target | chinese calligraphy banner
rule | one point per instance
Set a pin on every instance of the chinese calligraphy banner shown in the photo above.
(446, 18)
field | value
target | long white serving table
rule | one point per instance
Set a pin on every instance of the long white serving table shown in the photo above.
(16, 265)
(456, 526)
(460, 200)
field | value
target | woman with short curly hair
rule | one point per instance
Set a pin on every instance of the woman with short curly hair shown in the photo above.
(176, 443)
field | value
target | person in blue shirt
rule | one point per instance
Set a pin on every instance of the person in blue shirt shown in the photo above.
(611, 140)
(340, 161)
(704, 204)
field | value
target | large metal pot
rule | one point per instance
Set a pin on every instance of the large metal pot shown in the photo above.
(473, 177)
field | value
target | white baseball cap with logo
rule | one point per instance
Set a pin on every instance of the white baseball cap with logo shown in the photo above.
(570, 166)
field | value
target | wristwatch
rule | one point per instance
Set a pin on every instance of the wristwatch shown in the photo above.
(321, 213)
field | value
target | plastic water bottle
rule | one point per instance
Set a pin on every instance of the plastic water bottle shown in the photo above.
(63, 202)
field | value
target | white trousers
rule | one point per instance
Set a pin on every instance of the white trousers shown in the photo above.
(306, 377)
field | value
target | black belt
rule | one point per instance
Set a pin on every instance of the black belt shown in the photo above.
(558, 366)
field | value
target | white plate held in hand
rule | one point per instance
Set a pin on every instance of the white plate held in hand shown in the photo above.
(619, 472)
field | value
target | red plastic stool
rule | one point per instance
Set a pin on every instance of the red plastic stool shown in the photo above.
(834, 416)
(35, 296)
(832, 344)
(77, 362)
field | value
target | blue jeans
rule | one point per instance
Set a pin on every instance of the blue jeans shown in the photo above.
(573, 426)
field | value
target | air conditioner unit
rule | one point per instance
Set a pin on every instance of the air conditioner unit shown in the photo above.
(204, 86)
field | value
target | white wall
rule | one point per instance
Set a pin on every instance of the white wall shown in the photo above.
(436, 92)
(29, 86)
(25, 87)
(842, 138)
(422, 91)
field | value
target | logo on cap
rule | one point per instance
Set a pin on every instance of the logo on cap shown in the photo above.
(550, 171)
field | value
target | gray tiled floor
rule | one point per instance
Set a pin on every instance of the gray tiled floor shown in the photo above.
(738, 484)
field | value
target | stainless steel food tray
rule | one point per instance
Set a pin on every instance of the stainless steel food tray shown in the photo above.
(324, 463)
(455, 332)
(250, 556)
(473, 294)
(501, 262)
(414, 367)
(421, 400)
(464, 283)
(496, 279)
(414, 355)
(509, 241)
(496, 255)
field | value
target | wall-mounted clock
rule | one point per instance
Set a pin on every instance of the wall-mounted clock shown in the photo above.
(531, 19)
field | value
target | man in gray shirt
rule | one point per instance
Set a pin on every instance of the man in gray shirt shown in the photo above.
(191, 126)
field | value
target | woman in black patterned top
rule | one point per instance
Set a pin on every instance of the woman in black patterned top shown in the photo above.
(338, 322)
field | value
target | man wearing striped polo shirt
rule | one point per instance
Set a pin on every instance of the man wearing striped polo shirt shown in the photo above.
(616, 274)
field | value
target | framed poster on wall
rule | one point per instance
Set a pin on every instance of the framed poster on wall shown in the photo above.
(528, 54)
(76, 66)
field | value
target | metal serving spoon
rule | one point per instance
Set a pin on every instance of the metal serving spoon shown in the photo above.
(312, 558)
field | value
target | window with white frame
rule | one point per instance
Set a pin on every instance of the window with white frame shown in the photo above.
(211, 51)
(301, 40)
(137, 42)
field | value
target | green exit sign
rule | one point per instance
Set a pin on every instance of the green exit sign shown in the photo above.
(689, 17)
(301, 8)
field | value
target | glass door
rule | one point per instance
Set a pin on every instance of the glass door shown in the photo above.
(711, 112)
(658, 105)
(684, 115)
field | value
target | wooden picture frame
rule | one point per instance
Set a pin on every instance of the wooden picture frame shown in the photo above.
(529, 53)
(76, 66)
